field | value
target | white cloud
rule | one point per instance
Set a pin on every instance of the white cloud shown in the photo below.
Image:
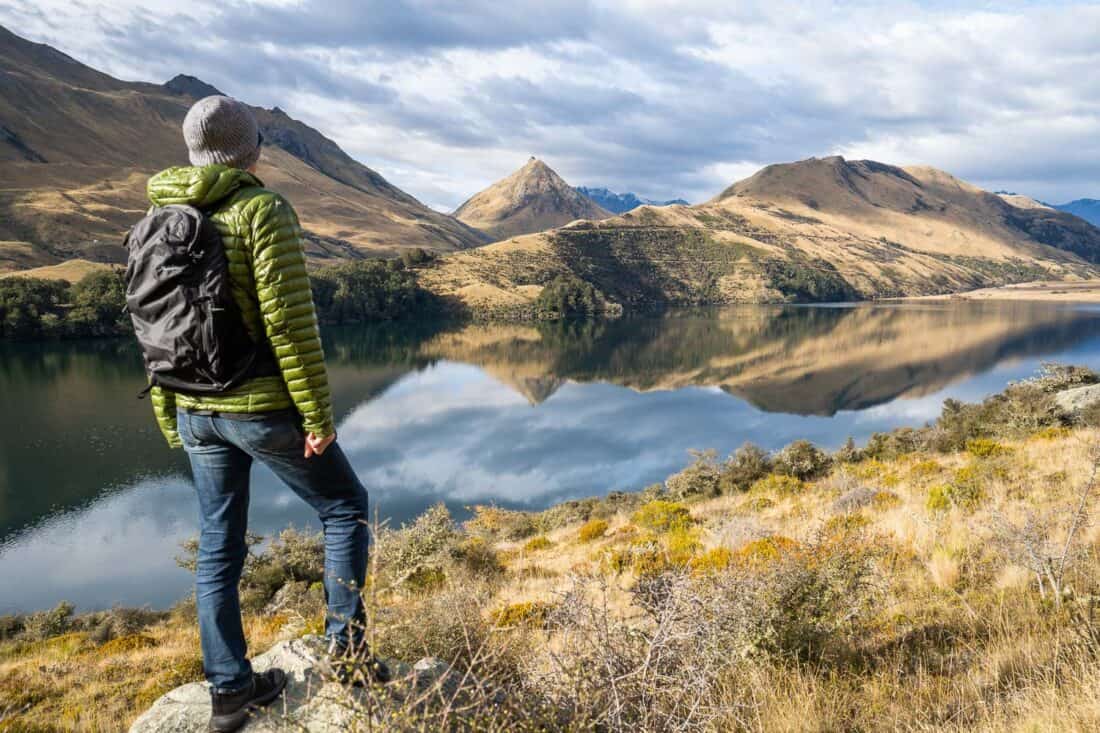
(667, 99)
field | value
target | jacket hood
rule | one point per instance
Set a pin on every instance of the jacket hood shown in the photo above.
(201, 187)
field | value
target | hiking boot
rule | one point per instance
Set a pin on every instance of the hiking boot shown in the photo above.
(232, 710)
(357, 666)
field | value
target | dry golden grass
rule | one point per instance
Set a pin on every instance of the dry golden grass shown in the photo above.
(957, 638)
(70, 270)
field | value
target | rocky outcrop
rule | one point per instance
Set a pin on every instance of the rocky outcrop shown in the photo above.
(1077, 399)
(311, 702)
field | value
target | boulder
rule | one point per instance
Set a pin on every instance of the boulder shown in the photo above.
(311, 702)
(1077, 399)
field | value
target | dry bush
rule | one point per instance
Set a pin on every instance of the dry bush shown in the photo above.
(47, 624)
(746, 466)
(1054, 377)
(778, 485)
(494, 523)
(662, 516)
(657, 676)
(592, 530)
(1049, 543)
(428, 539)
(701, 478)
(803, 460)
(541, 542)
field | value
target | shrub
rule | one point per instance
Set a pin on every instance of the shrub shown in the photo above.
(939, 498)
(799, 602)
(1054, 377)
(493, 522)
(682, 545)
(984, 447)
(1089, 416)
(542, 542)
(125, 645)
(426, 578)
(966, 489)
(925, 468)
(47, 624)
(778, 484)
(592, 530)
(872, 469)
(416, 257)
(1055, 432)
(885, 500)
(701, 478)
(527, 613)
(843, 525)
(10, 626)
(802, 460)
(848, 453)
(713, 561)
(760, 502)
(568, 296)
(449, 624)
(477, 556)
(748, 464)
(663, 516)
(429, 537)
(644, 556)
(764, 550)
(888, 446)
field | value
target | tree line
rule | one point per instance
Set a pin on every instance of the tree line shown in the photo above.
(350, 292)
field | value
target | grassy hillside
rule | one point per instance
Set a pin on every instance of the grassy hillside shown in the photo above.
(817, 230)
(77, 146)
(935, 579)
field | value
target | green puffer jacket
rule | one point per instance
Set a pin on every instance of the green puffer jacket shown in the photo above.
(267, 267)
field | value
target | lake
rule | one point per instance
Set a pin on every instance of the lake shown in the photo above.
(94, 506)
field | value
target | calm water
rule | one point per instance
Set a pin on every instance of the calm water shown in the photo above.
(93, 505)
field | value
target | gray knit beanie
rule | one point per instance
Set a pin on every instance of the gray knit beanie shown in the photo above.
(222, 130)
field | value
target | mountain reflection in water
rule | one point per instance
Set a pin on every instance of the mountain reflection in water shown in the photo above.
(93, 505)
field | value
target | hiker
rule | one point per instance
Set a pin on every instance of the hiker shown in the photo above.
(226, 321)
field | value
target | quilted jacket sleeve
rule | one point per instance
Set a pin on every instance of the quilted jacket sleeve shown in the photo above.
(164, 408)
(286, 306)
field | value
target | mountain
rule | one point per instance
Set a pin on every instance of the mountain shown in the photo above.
(822, 229)
(532, 199)
(77, 145)
(1022, 202)
(1087, 209)
(620, 203)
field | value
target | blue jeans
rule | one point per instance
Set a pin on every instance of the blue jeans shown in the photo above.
(221, 451)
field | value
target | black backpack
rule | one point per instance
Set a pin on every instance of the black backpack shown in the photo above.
(178, 294)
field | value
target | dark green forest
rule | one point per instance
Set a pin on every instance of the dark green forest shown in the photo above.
(351, 292)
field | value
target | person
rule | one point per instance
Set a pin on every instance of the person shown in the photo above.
(281, 416)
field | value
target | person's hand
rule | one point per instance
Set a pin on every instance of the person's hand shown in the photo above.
(316, 446)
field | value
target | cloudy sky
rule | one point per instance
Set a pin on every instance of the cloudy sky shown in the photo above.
(666, 99)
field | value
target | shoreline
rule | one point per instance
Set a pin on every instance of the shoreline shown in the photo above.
(1046, 291)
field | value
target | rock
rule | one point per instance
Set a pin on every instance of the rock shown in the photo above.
(854, 500)
(1077, 399)
(311, 703)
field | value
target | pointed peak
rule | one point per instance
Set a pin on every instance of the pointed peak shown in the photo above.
(536, 164)
(530, 199)
(190, 86)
